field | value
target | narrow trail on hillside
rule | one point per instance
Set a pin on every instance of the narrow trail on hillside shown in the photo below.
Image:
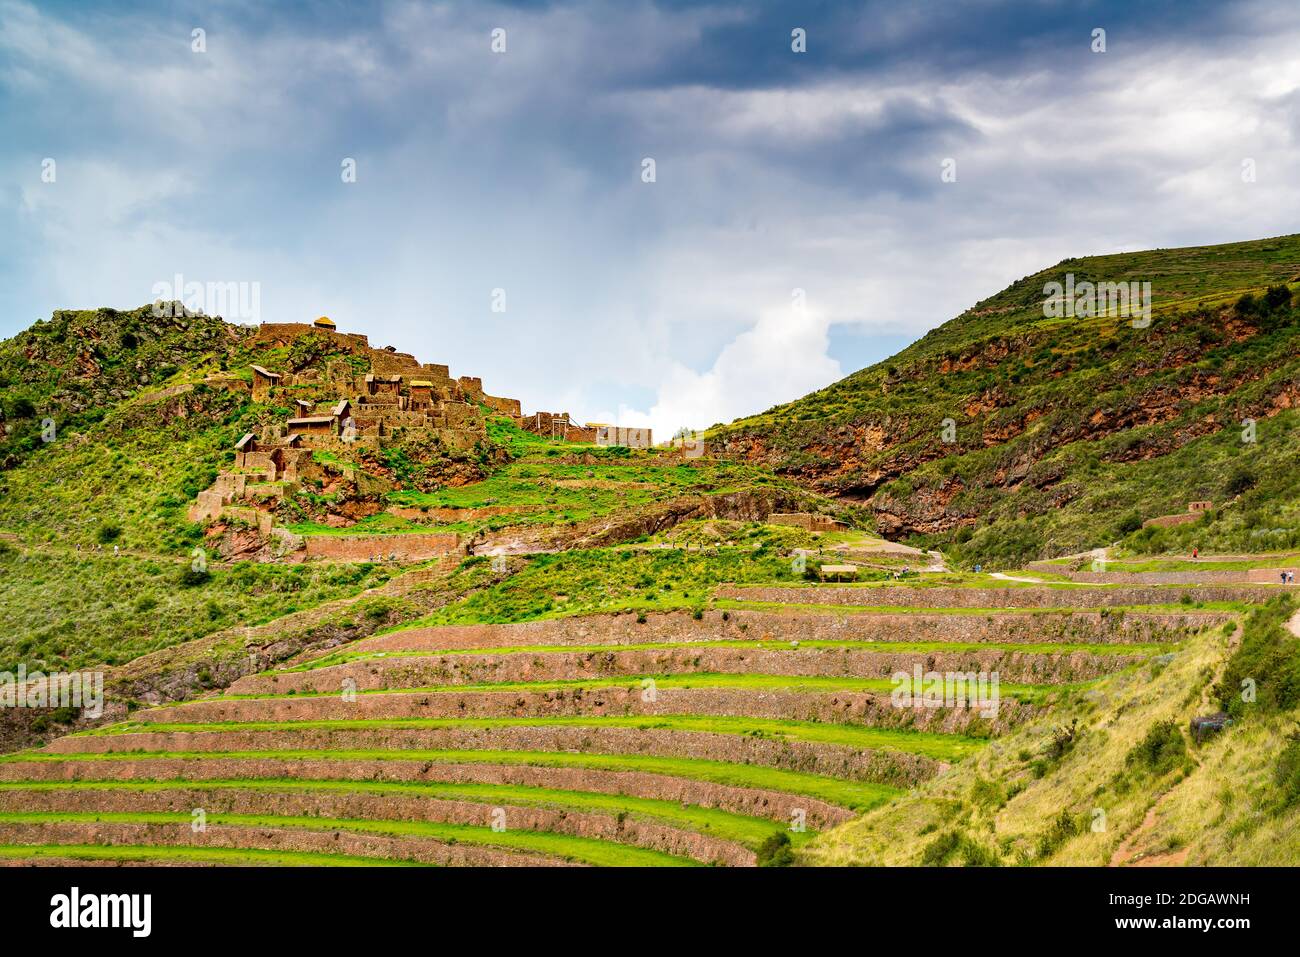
(1293, 625)
(1129, 853)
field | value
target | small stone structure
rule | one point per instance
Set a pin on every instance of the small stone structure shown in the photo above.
(1194, 511)
(264, 382)
(1208, 724)
(622, 435)
(809, 521)
(556, 425)
(837, 572)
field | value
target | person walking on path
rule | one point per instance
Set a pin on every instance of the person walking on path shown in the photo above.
(1196, 552)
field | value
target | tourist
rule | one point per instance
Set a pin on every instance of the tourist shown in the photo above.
(1195, 552)
(1283, 577)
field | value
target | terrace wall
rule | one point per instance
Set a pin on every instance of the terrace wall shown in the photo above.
(943, 597)
(362, 548)
(1209, 577)
(1081, 627)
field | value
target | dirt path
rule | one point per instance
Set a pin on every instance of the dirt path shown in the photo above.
(1016, 578)
(1127, 854)
(1294, 624)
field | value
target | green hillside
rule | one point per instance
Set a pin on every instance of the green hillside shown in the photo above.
(1067, 433)
(435, 637)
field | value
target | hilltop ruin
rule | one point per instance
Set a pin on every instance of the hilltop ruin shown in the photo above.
(356, 399)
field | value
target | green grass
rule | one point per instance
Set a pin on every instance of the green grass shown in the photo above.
(757, 682)
(581, 849)
(856, 795)
(742, 829)
(885, 647)
(1236, 607)
(192, 855)
(943, 747)
(1166, 564)
(558, 492)
(62, 610)
(594, 580)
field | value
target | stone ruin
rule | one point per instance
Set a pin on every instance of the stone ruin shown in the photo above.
(365, 398)
(361, 398)
(560, 425)
(1194, 511)
(809, 521)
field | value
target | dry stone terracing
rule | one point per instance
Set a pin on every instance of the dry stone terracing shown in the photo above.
(666, 738)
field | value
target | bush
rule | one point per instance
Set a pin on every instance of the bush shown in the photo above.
(1063, 827)
(775, 851)
(1267, 660)
(955, 845)
(1287, 773)
(22, 409)
(1241, 480)
(1276, 298)
(192, 577)
(1161, 751)
(1130, 523)
(108, 533)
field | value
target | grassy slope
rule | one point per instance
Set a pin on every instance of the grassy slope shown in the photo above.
(582, 849)
(64, 610)
(860, 795)
(1017, 802)
(1081, 426)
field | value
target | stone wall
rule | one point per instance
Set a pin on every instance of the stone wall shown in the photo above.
(898, 768)
(1079, 627)
(422, 671)
(1166, 521)
(759, 802)
(809, 521)
(363, 548)
(1029, 597)
(1262, 576)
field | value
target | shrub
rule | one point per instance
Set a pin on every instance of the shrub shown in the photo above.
(1063, 827)
(1268, 659)
(22, 408)
(192, 577)
(1241, 480)
(775, 851)
(1287, 773)
(954, 844)
(1276, 298)
(108, 533)
(1130, 523)
(1161, 751)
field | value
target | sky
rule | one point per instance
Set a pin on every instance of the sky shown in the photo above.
(483, 199)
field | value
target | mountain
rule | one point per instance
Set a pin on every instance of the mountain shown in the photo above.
(661, 656)
(1009, 434)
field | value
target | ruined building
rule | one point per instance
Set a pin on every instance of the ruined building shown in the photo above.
(362, 398)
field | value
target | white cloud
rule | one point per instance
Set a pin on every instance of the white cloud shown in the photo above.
(783, 355)
(522, 171)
